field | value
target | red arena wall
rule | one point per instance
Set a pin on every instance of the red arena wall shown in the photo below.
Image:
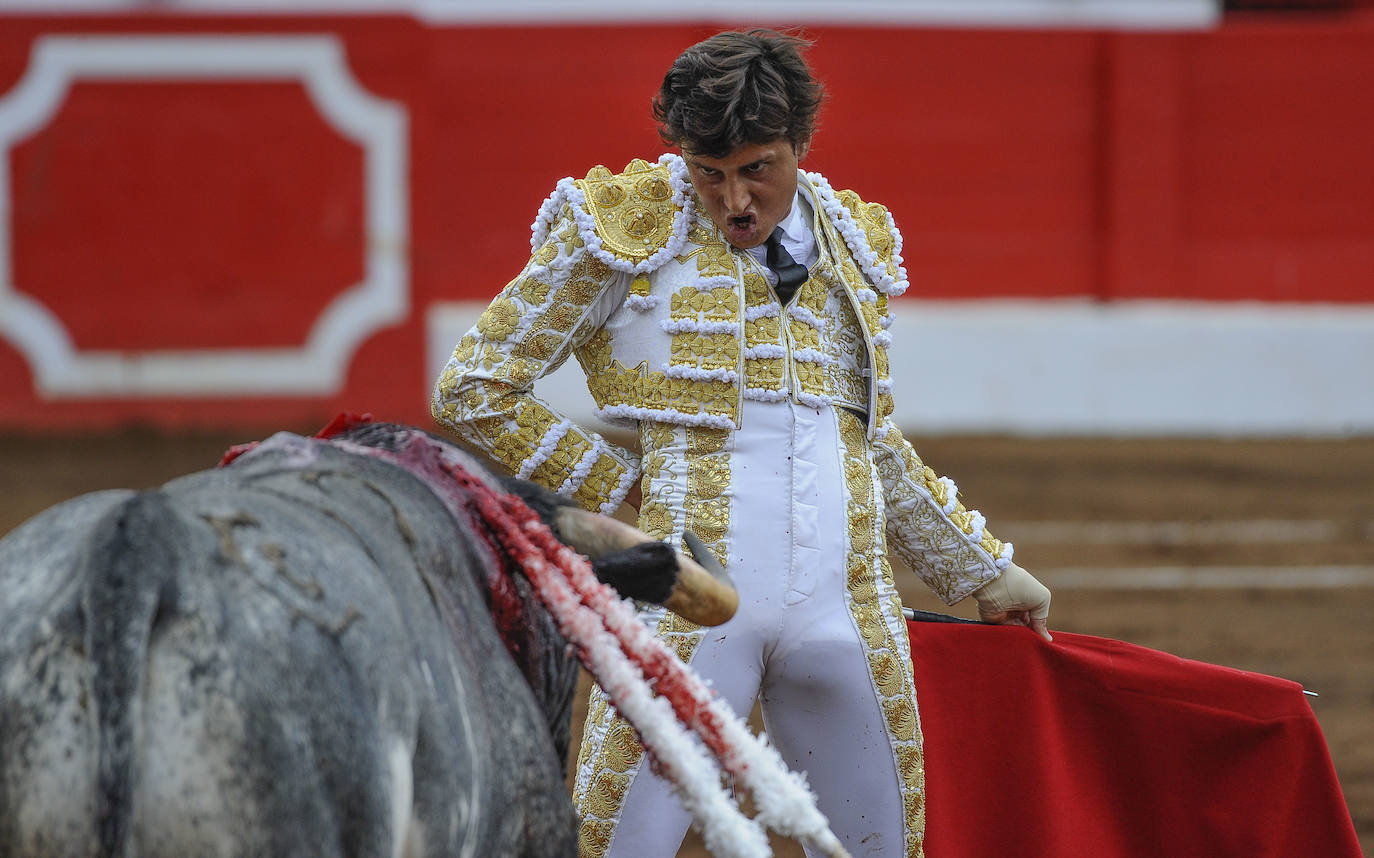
(210, 227)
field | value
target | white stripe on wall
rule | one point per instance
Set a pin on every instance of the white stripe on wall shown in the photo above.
(1121, 14)
(1208, 578)
(1184, 533)
(1138, 368)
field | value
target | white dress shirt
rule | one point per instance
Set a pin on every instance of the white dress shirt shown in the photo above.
(797, 236)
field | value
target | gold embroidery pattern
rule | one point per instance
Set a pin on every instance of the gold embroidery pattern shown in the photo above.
(811, 377)
(803, 335)
(848, 326)
(884, 406)
(877, 614)
(612, 384)
(871, 313)
(880, 357)
(634, 210)
(532, 422)
(634, 386)
(815, 291)
(845, 347)
(756, 292)
(540, 346)
(610, 753)
(567, 454)
(706, 351)
(708, 477)
(717, 305)
(699, 385)
(595, 353)
(639, 223)
(761, 373)
(500, 320)
(695, 349)
(838, 338)
(938, 546)
(762, 330)
(712, 254)
(603, 479)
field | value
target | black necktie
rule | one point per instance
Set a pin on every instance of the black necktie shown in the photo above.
(791, 273)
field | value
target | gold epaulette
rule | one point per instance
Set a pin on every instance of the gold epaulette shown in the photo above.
(634, 209)
(873, 219)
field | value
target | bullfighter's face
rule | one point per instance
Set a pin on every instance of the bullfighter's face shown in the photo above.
(748, 192)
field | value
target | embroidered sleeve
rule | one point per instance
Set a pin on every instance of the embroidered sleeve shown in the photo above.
(485, 393)
(948, 546)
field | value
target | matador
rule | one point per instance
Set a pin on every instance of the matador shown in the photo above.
(763, 409)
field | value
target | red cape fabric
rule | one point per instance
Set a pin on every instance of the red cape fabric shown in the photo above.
(1096, 748)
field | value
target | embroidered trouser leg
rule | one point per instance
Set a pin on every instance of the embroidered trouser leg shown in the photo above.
(797, 645)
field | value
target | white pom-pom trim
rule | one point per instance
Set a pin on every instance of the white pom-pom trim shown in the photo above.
(665, 415)
(803, 314)
(1003, 560)
(642, 303)
(857, 240)
(694, 326)
(764, 394)
(765, 350)
(809, 355)
(693, 373)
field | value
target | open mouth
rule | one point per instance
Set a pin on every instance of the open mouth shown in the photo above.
(742, 222)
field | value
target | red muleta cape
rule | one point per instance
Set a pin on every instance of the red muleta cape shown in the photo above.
(1122, 752)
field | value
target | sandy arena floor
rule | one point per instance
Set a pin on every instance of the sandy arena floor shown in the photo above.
(1099, 521)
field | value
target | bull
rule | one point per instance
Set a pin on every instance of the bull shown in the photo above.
(313, 650)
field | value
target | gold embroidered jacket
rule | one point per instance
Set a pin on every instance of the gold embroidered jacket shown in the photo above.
(672, 324)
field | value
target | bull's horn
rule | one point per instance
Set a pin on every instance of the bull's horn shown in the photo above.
(703, 593)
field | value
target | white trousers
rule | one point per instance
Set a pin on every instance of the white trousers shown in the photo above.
(794, 645)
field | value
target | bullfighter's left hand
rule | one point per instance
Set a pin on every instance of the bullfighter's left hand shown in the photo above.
(1015, 597)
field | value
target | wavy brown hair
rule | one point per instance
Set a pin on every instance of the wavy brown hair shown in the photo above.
(737, 88)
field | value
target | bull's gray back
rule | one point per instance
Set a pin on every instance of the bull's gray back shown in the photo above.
(272, 657)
